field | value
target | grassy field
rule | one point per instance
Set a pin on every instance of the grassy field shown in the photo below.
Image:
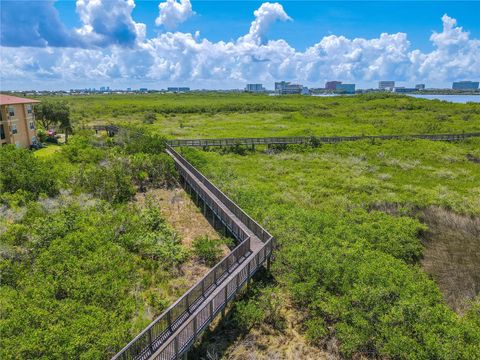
(243, 115)
(355, 222)
(47, 151)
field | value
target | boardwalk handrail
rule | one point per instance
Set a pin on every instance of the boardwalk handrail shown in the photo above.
(143, 345)
(175, 346)
(306, 139)
(113, 129)
(258, 230)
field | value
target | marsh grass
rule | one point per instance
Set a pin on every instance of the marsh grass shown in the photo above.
(452, 255)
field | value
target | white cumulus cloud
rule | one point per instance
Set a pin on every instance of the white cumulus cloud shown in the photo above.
(265, 16)
(176, 57)
(173, 12)
(107, 22)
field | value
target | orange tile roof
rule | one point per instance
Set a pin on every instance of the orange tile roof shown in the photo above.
(11, 100)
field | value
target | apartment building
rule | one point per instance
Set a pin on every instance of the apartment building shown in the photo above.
(386, 85)
(287, 88)
(345, 88)
(17, 121)
(332, 85)
(465, 85)
(255, 88)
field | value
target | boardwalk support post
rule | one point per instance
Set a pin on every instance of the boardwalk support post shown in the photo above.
(225, 305)
(169, 320)
(175, 346)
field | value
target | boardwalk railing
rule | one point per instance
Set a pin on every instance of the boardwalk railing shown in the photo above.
(149, 340)
(175, 346)
(306, 139)
(290, 140)
(259, 231)
(215, 289)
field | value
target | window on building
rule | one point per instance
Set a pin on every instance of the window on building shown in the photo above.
(29, 109)
(2, 132)
(32, 125)
(14, 128)
(11, 111)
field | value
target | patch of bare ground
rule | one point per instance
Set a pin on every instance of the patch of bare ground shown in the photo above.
(452, 255)
(187, 220)
(224, 340)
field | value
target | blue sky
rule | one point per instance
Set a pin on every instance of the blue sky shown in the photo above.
(293, 40)
(312, 19)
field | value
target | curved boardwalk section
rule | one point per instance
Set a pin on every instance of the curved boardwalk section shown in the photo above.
(174, 331)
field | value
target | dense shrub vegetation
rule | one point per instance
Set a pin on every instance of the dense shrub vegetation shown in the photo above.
(351, 269)
(82, 268)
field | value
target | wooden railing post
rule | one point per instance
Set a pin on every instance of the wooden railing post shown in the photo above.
(225, 303)
(169, 320)
(195, 327)
(175, 347)
(150, 340)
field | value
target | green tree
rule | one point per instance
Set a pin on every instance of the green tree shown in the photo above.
(51, 114)
(20, 170)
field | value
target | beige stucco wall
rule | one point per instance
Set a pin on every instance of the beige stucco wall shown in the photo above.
(22, 119)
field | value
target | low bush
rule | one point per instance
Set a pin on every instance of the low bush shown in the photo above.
(21, 170)
(207, 249)
(149, 117)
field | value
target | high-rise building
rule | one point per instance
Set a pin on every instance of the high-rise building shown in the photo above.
(332, 85)
(420, 86)
(345, 88)
(254, 88)
(286, 88)
(465, 85)
(386, 85)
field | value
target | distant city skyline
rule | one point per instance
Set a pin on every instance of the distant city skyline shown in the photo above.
(48, 45)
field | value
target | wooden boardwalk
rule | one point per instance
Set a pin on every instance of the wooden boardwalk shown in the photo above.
(312, 139)
(174, 331)
(292, 140)
(171, 334)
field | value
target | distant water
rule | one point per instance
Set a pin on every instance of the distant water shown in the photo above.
(450, 98)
